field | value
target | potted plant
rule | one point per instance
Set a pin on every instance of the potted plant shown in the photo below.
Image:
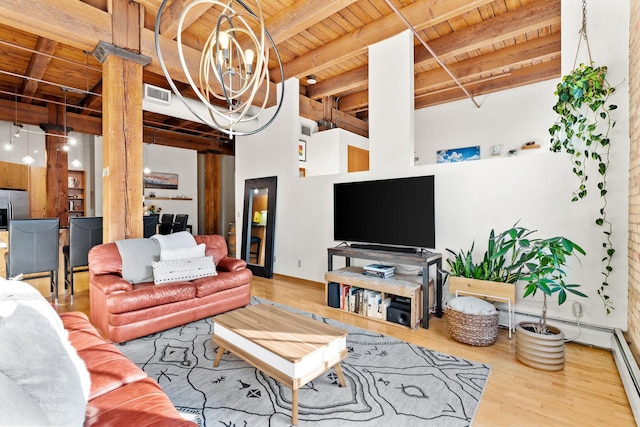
(543, 262)
(495, 276)
(515, 256)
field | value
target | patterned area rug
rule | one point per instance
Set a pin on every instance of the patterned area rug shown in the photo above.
(389, 382)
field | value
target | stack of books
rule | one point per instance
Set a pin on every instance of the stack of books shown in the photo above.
(379, 270)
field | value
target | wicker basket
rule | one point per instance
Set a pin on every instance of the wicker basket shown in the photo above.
(474, 329)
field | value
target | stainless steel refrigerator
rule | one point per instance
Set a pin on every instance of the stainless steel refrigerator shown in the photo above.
(14, 204)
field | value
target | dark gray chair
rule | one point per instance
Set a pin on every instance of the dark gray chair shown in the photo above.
(150, 225)
(166, 224)
(84, 233)
(180, 224)
(33, 248)
(255, 240)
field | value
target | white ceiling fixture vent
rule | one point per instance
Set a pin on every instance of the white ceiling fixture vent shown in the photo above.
(157, 95)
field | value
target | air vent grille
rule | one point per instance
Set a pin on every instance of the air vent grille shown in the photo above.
(157, 94)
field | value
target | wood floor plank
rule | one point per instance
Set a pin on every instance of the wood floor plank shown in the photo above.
(588, 392)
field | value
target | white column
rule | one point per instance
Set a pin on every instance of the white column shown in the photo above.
(391, 103)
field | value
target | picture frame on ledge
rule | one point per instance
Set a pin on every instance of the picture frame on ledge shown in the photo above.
(168, 181)
(302, 150)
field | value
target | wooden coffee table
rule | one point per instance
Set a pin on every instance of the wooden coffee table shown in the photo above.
(290, 348)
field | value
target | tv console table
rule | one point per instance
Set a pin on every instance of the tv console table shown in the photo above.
(424, 260)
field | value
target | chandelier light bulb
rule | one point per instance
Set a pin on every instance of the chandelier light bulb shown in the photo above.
(65, 147)
(28, 159)
(146, 170)
(8, 146)
(76, 163)
(72, 141)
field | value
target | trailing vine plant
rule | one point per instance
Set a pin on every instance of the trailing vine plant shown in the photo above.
(582, 130)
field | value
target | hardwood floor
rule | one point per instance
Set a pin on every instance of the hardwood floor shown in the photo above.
(588, 392)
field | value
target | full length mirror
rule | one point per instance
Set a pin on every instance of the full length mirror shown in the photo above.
(258, 225)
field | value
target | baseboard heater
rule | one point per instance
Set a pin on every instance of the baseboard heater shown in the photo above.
(628, 369)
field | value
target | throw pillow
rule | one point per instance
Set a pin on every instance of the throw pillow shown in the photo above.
(472, 305)
(181, 239)
(183, 270)
(37, 361)
(183, 253)
(137, 256)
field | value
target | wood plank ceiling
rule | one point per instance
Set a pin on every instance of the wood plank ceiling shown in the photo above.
(489, 45)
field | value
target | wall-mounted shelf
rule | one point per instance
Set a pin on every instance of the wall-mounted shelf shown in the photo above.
(167, 198)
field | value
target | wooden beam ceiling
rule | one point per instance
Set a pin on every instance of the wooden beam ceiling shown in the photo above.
(489, 45)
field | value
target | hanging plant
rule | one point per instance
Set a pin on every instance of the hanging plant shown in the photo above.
(582, 130)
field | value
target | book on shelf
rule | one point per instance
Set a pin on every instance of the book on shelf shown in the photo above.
(380, 268)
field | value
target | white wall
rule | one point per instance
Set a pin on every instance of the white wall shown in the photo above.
(471, 197)
(327, 151)
(160, 158)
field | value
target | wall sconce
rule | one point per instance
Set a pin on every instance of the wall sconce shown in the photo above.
(234, 67)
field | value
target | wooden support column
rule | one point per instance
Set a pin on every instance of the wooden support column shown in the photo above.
(122, 124)
(57, 173)
(212, 173)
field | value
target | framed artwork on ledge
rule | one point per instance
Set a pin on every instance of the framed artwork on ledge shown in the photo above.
(302, 151)
(458, 154)
(167, 181)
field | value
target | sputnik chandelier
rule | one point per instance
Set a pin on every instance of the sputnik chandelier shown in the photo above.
(233, 67)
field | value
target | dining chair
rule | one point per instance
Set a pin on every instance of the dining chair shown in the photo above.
(180, 224)
(33, 248)
(84, 233)
(166, 224)
(150, 225)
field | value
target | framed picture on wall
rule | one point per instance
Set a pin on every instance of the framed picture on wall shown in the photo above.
(167, 181)
(302, 151)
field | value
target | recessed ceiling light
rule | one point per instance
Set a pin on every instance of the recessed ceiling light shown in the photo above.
(311, 80)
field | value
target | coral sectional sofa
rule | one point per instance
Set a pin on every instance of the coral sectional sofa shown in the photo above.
(56, 370)
(123, 308)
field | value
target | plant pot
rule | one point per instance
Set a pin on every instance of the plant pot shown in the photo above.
(544, 352)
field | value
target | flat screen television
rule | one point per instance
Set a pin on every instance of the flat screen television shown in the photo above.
(394, 212)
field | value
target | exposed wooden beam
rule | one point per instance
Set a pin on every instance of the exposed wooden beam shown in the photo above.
(36, 115)
(171, 16)
(70, 22)
(504, 60)
(300, 16)
(421, 14)
(189, 142)
(354, 79)
(524, 76)
(494, 30)
(314, 110)
(37, 67)
(355, 101)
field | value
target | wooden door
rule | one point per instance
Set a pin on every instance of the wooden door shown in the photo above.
(357, 159)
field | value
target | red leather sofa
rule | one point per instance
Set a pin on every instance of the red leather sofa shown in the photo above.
(123, 311)
(121, 394)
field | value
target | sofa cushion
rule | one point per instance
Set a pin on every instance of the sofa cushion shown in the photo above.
(149, 295)
(109, 368)
(183, 269)
(183, 253)
(36, 355)
(137, 256)
(224, 280)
